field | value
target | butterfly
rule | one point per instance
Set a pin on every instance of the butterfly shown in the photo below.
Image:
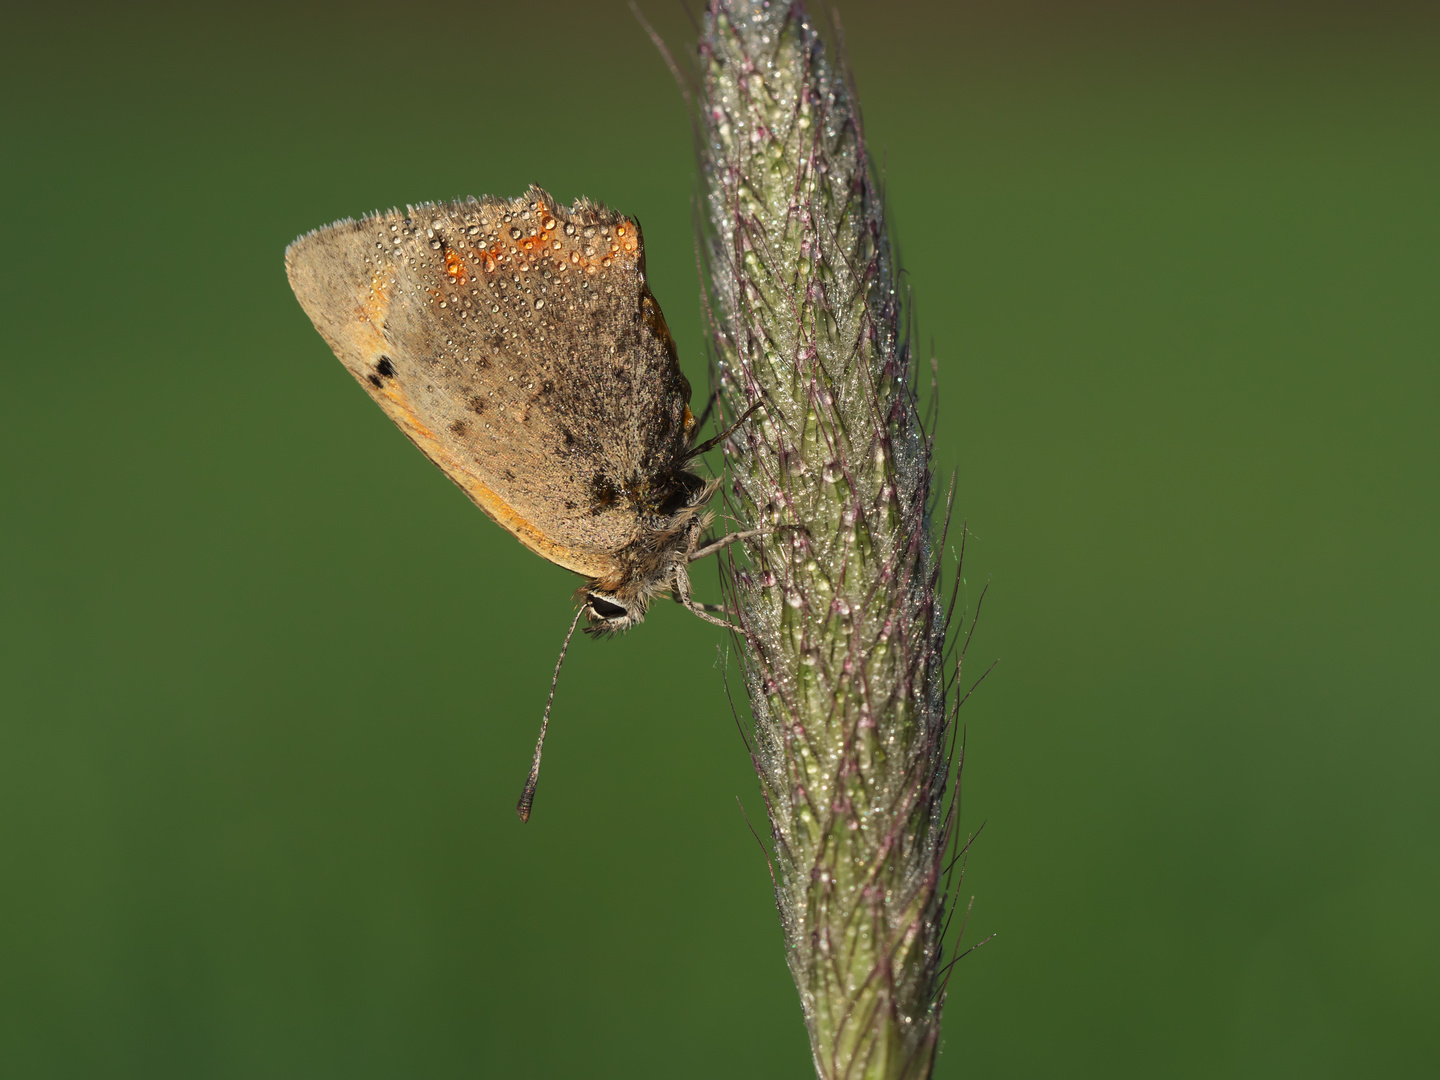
(517, 344)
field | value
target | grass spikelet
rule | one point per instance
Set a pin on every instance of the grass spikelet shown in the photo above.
(843, 623)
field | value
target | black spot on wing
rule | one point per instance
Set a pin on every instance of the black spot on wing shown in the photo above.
(384, 369)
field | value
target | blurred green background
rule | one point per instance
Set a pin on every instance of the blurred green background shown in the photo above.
(270, 684)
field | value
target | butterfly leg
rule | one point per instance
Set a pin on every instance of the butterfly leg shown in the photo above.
(719, 609)
(682, 596)
(709, 444)
(724, 541)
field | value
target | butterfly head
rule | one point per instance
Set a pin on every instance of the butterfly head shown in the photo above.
(609, 613)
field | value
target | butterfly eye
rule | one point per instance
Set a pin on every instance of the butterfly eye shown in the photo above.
(605, 609)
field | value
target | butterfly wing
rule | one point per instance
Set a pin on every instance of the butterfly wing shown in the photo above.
(516, 344)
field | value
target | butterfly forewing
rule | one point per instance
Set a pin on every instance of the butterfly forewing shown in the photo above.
(516, 343)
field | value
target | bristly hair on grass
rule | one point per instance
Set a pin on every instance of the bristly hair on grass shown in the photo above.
(843, 622)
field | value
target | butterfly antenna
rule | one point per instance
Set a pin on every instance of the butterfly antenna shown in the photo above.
(710, 444)
(527, 797)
